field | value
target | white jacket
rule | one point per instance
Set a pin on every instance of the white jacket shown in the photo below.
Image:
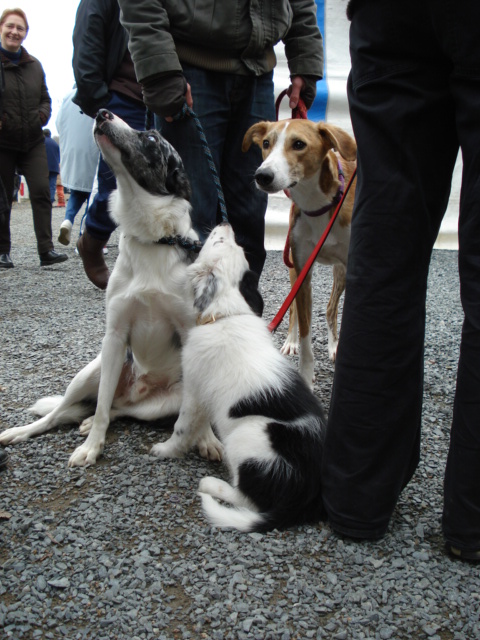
(78, 152)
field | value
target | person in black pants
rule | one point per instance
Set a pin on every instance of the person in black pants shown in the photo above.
(414, 96)
(105, 78)
(25, 107)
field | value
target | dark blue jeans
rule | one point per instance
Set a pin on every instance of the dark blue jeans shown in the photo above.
(52, 181)
(414, 95)
(226, 105)
(97, 221)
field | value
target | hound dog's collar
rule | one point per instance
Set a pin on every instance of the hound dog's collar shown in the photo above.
(188, 244)
(336, 199)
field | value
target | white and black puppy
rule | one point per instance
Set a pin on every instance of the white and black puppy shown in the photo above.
(269, 422)
(138, 372)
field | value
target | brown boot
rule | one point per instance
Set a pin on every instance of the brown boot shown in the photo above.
(91, 252)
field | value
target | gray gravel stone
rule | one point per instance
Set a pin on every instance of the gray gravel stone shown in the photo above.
(121, 551)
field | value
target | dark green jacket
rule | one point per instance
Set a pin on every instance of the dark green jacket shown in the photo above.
(25, 104)
(235, 36)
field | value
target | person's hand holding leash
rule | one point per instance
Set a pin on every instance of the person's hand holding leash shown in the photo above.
(165, 94)
(304, 87)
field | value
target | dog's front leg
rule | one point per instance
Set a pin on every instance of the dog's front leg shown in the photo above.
(191, 428)
(304, 314)
(112, 358)
(339, 275)
(290, 346)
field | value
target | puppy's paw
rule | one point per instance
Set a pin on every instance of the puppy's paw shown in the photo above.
(166, 450)
(210, 447)
(211, 485)
(86, 425)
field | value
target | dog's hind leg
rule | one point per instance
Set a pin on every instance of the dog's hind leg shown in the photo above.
(243, 516)
(155, 406)
(65, 409)
(221, 490)
(339, 273)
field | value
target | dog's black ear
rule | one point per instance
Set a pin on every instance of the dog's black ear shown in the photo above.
(204, 290)
(177, 182)
(249, 290)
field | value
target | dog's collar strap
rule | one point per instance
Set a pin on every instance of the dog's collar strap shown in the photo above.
(336, 199)
(201, 320)
(186, 243)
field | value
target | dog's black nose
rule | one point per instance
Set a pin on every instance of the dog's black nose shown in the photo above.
(104, 114)
(264, 177)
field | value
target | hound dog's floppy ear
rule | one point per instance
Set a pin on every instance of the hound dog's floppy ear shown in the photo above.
(249, 290)
(339, 140)
(255, 134)
(177, 182)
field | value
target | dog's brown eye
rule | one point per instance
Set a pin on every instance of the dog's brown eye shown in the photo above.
(266, 144)
(298, 145)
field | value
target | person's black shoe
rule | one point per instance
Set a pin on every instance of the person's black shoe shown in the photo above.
(3, 459)
(52, 257)
(5, 262)
(470, 555)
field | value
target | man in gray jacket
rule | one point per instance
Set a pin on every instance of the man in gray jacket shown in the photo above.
(220, 60)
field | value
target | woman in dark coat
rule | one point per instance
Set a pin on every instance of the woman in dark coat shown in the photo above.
(25, 107)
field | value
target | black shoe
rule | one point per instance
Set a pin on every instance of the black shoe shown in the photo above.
(5, 262)
(52, 257)
(3, 459)
(472, 555)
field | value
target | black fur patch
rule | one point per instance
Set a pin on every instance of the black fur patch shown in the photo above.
(249, 290)
(293, 402)
(149, 159)
(205, 292)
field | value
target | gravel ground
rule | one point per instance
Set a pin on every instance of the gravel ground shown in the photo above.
(122, 551)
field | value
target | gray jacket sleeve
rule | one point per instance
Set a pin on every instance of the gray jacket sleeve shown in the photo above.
(303, 42)
(151, 44)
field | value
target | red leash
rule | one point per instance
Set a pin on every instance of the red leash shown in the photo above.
(300, 111)
(308, 265)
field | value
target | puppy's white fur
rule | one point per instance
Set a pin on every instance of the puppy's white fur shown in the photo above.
(270, 424)
(303, 157)
(145, 309)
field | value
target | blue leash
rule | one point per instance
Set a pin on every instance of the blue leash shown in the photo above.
(186, 111)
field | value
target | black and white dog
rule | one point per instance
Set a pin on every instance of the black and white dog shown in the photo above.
(269, 422)
(138, 372)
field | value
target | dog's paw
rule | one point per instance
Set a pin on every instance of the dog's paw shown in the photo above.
(332, 352)
(290, 347)
(85, 455)
(210, 447)
(212, 486)
(165, 450)
(86, 425)
(14, 435)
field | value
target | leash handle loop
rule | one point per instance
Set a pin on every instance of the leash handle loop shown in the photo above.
(298, 113)
(308, 265)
